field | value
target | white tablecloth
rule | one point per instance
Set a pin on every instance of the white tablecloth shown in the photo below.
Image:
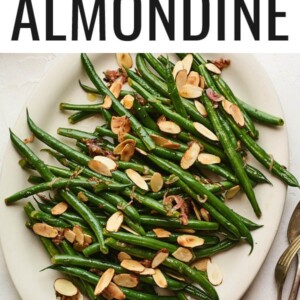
(20, 73)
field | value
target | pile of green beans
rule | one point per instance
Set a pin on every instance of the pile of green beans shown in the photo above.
(92, 198)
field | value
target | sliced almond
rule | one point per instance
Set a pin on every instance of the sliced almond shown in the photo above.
(159, 258)
(200, 108)
(161, 233)
(104, 281)
(59, 208)
(69, 235)
(127, 152)
(126, 228)
(115, 90)
(124, 60)
(169, 127)
(186, 230)
(82, 197)
(142, 152)
(190, 91)
(126, 280)
(205, 214)
(190, 155)
(78, 296)
(116, 123)
(160, 279)
(208, 159)
(114, 223)
(193, 78)
(178, 67)
(181, 78)
(205, 131)
(137, 179)
(187, 62)
(202, 82)
(196, 210)
(230, 193)
(163, 142)
(147, 272)
(176, 276)
(99, 167)
(156, 182)
(132, 265)
(113, 292)
(183, 254)
(237, 115)
(214, 273)
(119, 148)
(190, 241)
(87, 239)
(123, 255)
(127, 101)
(45, 230)
(79, 235)
(227, 106)
(111, 164)
(201, 264)
(65, 287)
(213, 68)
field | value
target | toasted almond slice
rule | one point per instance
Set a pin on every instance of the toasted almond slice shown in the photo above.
(114, 222)
(205, 214)
(137, 179)
(230, 193)
(161, 233)
(202, 82)
(208, 159)
(181, 78)
(196, 211)
(124, 60)
(190, 155)
(176, 276)
(159, 257)
(193, 78)
(190, 241)
(186, 230)
(163, 142)
(156, 182)
(111, 164)
(99, 167)
(45, 230)
(78, 296)
(169, 127)
(205, 131)
(190, 91)
(142, 152)
(201, 264)
(116, 123)
(127, 101)
(126, 280)
(87, 239)
(104, 281)
(115, 89)
(132, 265)
(214, 273)
(201, 108)
(82, 197)
(126, 228)
(213, 68)
(160, 279)
(113, 292)
(65, 287)
(127, 152)
(227, 106)
(59, 208)
(119, 148)
(183, 254)
(123, 255)
(79, 236)
(178, 67)
(187, 62)
(147, 271)
(237, 115)
(69, 235)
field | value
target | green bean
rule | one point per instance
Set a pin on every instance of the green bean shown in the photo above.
(155, 64)
(181, 296)
(33, 179)
(264, 158)
(162, 193)
(234, 158)
(89, 89)
(170, 262)
(261, 116)
(47, 218)
(256, 174)
(80, 116)
(117, 106)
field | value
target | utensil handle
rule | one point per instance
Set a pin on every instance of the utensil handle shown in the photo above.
(296, 283)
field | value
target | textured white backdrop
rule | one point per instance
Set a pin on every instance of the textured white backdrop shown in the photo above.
(20, 73)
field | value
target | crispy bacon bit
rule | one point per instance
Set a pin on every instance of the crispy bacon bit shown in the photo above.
(146, 263)
(112, 75)
(221, 63)
(213, 96)
(180, 204)
(59, 238)
(140, 100)
(95, 149)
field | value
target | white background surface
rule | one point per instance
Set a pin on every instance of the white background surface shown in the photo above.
(20, 73)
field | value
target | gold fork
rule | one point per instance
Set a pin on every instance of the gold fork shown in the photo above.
(283, 265)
